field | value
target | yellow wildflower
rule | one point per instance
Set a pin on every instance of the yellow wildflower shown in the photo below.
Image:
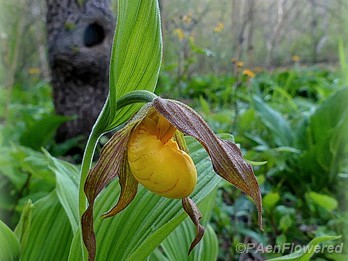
(187, 18)
(258, 69)
(219, 27)
(161, 175)
(178, 32)
(239, 64)
(34, 70)
(249, 73)
(295, 58)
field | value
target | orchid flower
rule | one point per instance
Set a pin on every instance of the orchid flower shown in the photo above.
(150, 150)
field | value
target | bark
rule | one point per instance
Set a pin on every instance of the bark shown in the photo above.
(245, 33)
(80, 37)
(286, 15)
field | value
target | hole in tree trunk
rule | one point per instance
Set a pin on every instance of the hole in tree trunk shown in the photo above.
(94, 35)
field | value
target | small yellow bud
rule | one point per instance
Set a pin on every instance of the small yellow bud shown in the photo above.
(219, 27)
(240, 64)
(249, 73)
(295, 58)
(34, 70)
(259, 69)
(178, 32)
(187, 18)
(156, 160)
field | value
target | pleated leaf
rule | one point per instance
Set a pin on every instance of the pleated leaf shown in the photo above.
(275, 122)
(22, 229)
(50, 231)
(136, 54)
(76, 251)
(67, 176)
(174, 247)
(9, 244)
(42, 132)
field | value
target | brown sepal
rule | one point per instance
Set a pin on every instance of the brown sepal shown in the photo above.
(192, 210)
(111, 163)
(106, 169)
(129, 188)
(226, 157)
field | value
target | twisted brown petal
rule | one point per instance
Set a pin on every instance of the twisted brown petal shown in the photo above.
(226, 157)
(129, 188)
(112, 162)
(106, 169)
(192, 210)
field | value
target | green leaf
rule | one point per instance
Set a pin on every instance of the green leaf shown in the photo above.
(327, 130)
(325, 201)
(307, 252)
(270, 200)
(326, 137)
(135, 232)
(1, 136)
(17, 161)
(287, 149)
(204, 104)
(10, 247)
(250, 233)
(209, 249)
(67, 182)
(136, 54)
(176, 244)
(157, 255)
(23, 228)
(256, 163)
(41, 132)
(285, 222)
(76, 247)
(50, 231)
(276, 123)
(343, 61)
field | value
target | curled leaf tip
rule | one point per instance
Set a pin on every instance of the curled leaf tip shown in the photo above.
(192, 210)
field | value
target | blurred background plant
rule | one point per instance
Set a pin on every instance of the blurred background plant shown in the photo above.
(274, 73)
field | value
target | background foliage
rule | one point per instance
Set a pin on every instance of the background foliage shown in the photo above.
(283, 107)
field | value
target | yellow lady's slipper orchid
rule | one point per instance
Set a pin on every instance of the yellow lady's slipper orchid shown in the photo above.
(157, 162)
(148, 150)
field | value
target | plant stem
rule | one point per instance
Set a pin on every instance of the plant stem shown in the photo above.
(86, 165)
(135, 97)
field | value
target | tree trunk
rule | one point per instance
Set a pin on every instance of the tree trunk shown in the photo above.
(80, 37)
